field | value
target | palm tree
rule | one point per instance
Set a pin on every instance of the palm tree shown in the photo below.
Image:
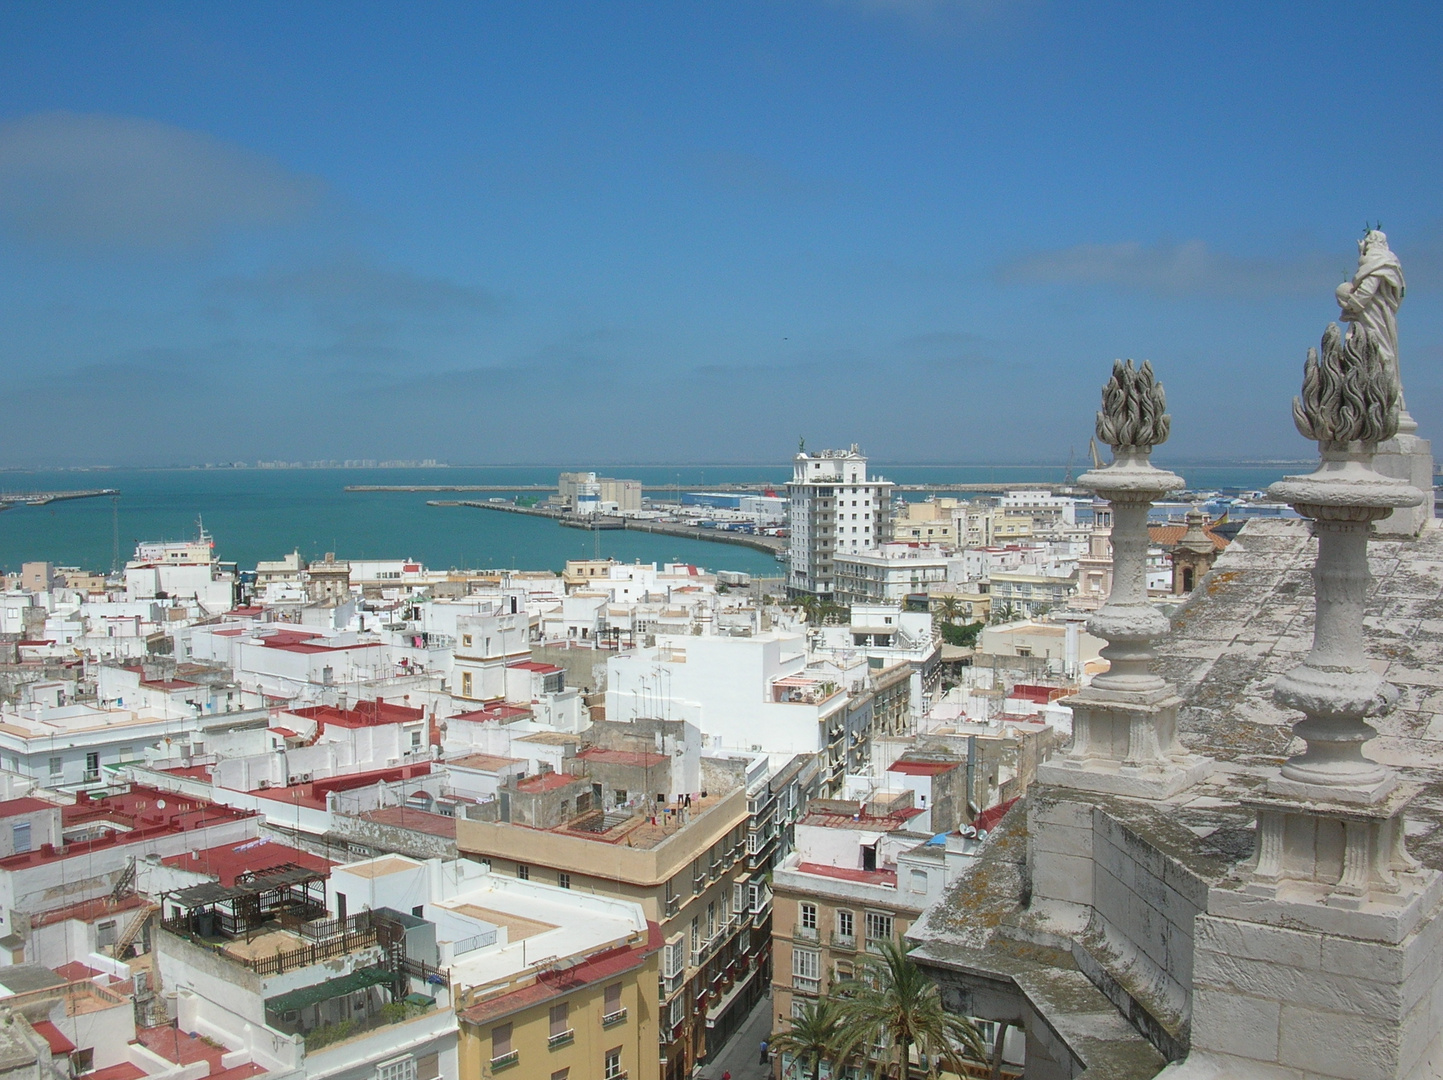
(949, 610)
(813, 1035)
(891, 1000)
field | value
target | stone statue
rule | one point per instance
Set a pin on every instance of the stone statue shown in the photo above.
(1372, 298)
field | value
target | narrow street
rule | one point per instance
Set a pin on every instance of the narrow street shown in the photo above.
(740, 1055)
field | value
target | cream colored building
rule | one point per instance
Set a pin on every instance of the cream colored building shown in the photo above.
(685, 865)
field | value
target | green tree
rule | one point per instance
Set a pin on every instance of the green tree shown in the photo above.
(814, 1035)
(890, 1000)
(961, 635)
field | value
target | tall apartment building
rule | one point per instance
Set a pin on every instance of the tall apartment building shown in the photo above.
(834, 508)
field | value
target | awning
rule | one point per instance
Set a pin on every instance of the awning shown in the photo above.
(331, 988)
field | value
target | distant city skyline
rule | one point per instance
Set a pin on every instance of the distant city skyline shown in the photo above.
(571, 233)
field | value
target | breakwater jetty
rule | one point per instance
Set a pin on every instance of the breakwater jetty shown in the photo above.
(771, 544)
(749, 488)
(41, 498)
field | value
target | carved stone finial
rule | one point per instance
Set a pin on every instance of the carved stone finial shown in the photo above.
(1351, 393)
(1124, 724)
(1134, 408)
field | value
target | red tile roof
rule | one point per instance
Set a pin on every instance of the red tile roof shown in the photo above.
(1171, 535)
(139, 815)
(988, 819)
(539, 668)
(552, 984)
(230, 860)
(485, 762)
(169, 684)
(641, 759)
(403, 817)
(84, 911)
(313, 793)
(26, 805)
(365, 714)
(494, 711)
(59, 1044)
(545, 781)
(842, 873)
(923, 768)
(124, 1071)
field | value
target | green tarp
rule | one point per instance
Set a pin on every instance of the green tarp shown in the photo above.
(331, 988)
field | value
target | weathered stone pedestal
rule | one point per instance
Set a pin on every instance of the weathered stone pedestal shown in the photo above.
(1408, 458)
(1124, 726)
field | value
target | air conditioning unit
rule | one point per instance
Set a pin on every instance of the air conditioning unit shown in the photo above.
(263, 785)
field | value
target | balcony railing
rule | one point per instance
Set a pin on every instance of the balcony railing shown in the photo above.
(673, 905)
(805, 985)
(806, 933)
(613, 1018)
(561, 1038)
(844, 941)
(505, 1061)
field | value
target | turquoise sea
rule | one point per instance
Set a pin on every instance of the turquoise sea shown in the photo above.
(259, 514)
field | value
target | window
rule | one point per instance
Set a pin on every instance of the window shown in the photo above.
(20, 837)
(57, 766)
(415, 739)
(846, 928)
(465, 684)
(92, 765)
(523, 872)
(561, 1032)
(612, 1010)
(466, 640)
(807, 921)
(401, 1069)
(879, 927)
(561, 1074)
(806, 969)
(843, 971)
(501, 1052)
(563, 879)
(612, 1068)
(918, 883)
(82, 1060)
(105, 934)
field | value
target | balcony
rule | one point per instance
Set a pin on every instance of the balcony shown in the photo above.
(806, 933)
(505, 1061)
(561, 1038)
(847, 942)
(673, 905)
(610, 1020)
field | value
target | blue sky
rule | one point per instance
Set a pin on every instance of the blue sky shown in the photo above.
(544, 232)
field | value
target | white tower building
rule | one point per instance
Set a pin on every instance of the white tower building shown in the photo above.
(834, 508)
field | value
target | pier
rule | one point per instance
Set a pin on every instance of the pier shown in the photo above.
(771, 544)
(748, 488)
(41, 498)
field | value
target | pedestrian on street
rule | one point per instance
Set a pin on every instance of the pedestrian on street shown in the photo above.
(763, 1060)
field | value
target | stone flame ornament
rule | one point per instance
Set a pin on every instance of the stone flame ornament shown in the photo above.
(1330, 830)
(1125, 724)
(1350, 403)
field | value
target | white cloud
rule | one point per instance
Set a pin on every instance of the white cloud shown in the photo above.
(97, 180)
(1172, 269)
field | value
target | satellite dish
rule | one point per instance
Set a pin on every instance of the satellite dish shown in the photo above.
(160, 804)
